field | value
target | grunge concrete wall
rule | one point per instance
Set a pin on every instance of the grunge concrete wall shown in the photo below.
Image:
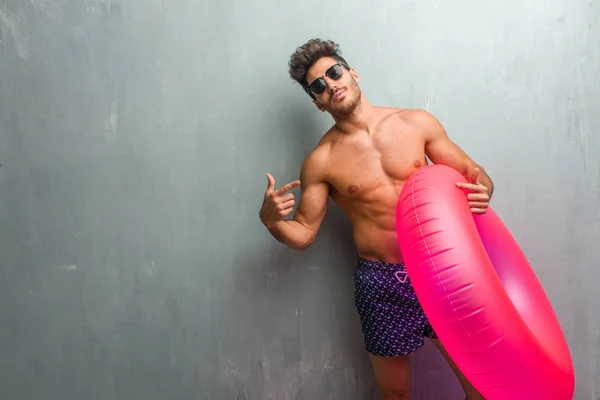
(134, 139)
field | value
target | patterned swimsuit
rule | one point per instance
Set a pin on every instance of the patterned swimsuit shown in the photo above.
(393, 322)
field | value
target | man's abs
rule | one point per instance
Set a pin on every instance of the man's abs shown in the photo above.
(373, 219)
(378, 245)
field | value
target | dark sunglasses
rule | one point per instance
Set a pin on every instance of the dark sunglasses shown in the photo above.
(334, 73)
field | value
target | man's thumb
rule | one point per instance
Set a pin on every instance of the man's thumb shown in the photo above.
(271, 182)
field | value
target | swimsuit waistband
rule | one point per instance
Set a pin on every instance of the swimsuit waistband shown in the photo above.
(372, 264)
(398, 270)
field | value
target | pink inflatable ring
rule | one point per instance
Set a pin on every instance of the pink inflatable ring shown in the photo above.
(479, 292)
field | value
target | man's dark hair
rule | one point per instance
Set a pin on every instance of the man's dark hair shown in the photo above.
(307, 54)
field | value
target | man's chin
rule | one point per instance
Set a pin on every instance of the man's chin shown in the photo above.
(341, 109)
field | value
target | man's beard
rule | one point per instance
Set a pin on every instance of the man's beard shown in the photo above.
(348, 105)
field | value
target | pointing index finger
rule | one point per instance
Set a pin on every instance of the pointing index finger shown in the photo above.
(287, 187)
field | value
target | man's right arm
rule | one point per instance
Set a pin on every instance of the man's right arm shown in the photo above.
(300, 231)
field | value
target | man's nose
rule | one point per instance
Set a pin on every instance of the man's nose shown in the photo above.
(331, 84)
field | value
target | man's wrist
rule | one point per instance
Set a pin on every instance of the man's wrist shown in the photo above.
(271, 225)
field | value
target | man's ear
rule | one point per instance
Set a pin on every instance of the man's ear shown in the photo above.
(355, 75)
(319, 106)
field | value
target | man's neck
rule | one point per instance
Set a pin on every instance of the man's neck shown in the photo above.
(363, 118)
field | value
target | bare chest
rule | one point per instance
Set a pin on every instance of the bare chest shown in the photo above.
(361, 166)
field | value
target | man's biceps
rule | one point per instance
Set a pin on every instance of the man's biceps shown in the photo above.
(317, 191)
(311, 208)
(306, 218)
(448, 152)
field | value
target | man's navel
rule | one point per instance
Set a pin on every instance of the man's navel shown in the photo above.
(417, 164)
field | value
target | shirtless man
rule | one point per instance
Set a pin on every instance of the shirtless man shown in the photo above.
(362, 163)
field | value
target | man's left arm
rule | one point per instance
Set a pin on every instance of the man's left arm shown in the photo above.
(440, 149)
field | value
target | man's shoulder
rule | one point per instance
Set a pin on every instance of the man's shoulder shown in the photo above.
(316, 161)
(321, 150)
(414, 116)
(422, 120)
(318, 156)
(411, 116)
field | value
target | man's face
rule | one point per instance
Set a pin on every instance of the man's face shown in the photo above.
(341, 96)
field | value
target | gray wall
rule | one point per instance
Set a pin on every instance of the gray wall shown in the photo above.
(134, 139)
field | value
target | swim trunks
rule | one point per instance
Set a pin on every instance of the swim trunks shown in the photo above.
(393, 322)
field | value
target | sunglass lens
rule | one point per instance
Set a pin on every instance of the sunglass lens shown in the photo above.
(335, 72)
(318, 86)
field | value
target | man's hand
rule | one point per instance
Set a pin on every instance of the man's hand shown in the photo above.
(478, 196)
(276, 204)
